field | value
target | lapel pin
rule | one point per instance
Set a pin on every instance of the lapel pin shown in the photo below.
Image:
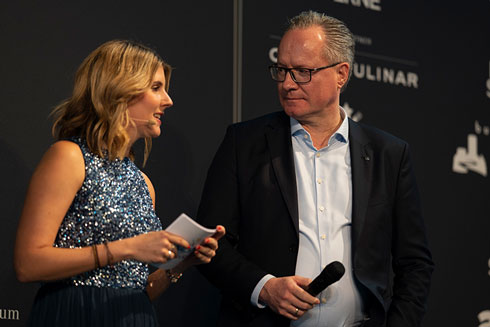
(366, 158)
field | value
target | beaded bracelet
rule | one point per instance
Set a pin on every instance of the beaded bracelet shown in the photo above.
(96, 256)
(110, 257)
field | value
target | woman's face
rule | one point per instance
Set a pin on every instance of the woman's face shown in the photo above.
(146, 110)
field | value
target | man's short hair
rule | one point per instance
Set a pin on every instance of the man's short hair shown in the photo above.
(339, 45)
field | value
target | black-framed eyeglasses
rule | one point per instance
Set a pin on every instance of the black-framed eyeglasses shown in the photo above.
(299, 75)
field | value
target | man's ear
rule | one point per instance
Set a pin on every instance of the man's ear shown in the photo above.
(342, 74)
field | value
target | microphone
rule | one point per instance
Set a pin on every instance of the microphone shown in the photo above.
(149, 122)
(329, 275)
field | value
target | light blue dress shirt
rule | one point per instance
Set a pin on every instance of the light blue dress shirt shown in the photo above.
(324, 183)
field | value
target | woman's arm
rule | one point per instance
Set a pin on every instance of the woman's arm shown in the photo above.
(51, 191)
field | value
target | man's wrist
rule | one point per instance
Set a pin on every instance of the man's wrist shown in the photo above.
(254, 299)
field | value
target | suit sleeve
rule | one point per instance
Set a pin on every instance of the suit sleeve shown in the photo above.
(229, 270)
(412, 262)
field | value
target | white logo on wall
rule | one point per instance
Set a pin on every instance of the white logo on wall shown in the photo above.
(385, 75)
(355, 116)
(273, 54)
(467, 159)
(484, 316)
(8, 314)
(368, 4)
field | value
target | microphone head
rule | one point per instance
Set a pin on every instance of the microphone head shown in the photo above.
(149, 122)
(333, 272)
(329, 275)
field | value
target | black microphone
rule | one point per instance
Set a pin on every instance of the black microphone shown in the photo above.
(149, 122)
(329, 275)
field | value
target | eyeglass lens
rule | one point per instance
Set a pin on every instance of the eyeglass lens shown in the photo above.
(298, 75)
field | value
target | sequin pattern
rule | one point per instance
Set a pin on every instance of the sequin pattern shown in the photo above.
(113, 203)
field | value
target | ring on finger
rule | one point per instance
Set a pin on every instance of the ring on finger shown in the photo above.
(170, 253)
(296, 310)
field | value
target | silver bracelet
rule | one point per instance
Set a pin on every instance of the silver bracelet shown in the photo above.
(173, 277)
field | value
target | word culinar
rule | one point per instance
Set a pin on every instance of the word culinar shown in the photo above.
(386, 75)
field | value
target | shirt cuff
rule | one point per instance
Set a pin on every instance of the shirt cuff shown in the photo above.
(254, 299)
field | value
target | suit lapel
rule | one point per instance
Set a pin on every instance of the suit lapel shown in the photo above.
(362, 169)
(278, 136)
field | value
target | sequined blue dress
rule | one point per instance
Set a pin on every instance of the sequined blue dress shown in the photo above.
(113, 203)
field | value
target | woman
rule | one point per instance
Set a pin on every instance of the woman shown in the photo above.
(88, 228)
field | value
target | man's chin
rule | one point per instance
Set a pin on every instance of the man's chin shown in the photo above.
(294, 111)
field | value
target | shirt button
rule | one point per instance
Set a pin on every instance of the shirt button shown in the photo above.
(324, 300)
(319, 181)
(321, 208)
(323, 236)
(318, 155)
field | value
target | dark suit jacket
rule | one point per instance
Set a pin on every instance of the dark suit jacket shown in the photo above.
(251, 190)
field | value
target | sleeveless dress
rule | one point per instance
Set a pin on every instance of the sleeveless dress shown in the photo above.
(113, 203)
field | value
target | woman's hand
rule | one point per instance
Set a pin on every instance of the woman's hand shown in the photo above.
(158, 281)
(154, 247)
(207, 249)
(204, 252)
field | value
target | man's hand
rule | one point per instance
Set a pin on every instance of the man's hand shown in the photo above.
(286, 296)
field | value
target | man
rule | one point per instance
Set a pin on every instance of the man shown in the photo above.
(301, 188)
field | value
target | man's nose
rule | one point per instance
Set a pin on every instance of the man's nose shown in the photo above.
(288, 82)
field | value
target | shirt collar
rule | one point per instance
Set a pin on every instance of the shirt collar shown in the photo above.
(341, 134)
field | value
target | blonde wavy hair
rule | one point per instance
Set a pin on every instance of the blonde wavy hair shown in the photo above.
(108, 79)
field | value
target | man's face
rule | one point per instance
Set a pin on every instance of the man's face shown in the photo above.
(303, 48)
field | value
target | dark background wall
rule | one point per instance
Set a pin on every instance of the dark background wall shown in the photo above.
(43, 43)
(422, 72)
